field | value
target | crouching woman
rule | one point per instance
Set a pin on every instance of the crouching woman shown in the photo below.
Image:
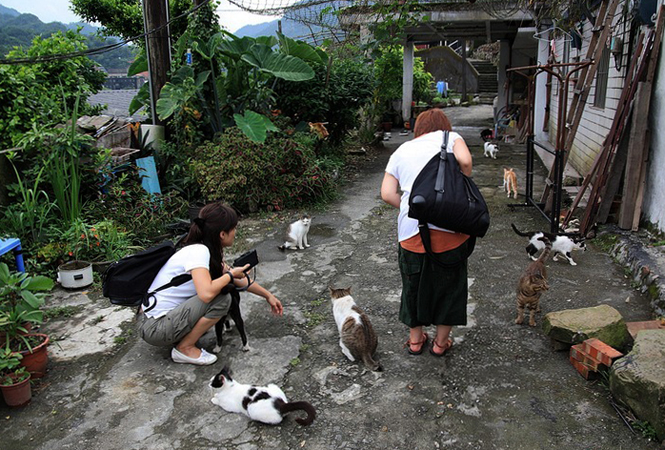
(182, 314)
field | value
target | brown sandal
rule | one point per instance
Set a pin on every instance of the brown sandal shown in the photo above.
(445, 347)
(422, 343)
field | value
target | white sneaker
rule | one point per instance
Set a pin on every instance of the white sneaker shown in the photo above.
(204, 360)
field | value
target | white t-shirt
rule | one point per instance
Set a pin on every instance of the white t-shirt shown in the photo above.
(405, 165)
(183, 261)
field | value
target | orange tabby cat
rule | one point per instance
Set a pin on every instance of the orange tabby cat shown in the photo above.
(510, 181)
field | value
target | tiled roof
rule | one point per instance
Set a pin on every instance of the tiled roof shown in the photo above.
(117, 102)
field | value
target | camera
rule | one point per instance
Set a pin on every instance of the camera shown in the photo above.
(249, 257)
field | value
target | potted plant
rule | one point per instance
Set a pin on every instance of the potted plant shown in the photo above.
(14, 380)
(21, 297)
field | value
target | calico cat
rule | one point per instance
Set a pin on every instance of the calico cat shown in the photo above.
(490, 150)
(562, 245)
(266, 404)
(356, 334)
(296, 234)
(224, 324)
(532, 284)
(510, 181)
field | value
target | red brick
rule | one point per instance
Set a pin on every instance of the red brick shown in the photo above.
(583, 369)
(600, 351)
(636, 327)
(580, 356)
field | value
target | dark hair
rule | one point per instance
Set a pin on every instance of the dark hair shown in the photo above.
(431, 120)
(212, 220)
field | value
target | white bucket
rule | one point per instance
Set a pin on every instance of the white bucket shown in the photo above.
(75, 274)
(155, 136)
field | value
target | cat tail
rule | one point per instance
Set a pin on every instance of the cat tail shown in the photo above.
(548, 248)
(369, 362)
(372, 365)
(518, 231)
(287, 407)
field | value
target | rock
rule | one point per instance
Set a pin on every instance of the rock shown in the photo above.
(638, 379)
(574, 326)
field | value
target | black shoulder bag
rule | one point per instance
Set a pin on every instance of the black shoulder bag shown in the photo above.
(443, 196)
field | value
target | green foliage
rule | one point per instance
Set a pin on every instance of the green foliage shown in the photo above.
(21, 297)
(280, 173)
(646, 429)
(175, 166)
(124, 18)
(28, 215)
(254, 125)
(15, 377)
(251, 68)
(132, 208)
(393, 17)
(43, 93)
(9, 361)
(101, 241)
(334, 95)
(388, 72)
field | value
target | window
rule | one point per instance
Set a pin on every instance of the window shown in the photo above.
(601, 79)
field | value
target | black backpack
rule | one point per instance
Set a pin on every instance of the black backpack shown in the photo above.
(443, 196)
(126, 282)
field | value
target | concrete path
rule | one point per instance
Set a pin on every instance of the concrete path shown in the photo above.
(500, 387)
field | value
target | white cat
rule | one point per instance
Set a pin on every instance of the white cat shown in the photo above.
(296, 234)
(490, 150)
(266, 404)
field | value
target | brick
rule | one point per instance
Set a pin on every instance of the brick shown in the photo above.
(580, 356)
(636, 327)
(600, 351)
(583, 370)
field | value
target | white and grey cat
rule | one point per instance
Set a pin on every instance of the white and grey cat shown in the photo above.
(562, 245)
(296, 234)
(490, 150)
(356, 334)
(266, 404)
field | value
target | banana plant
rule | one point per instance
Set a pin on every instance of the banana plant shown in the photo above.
(242, 91)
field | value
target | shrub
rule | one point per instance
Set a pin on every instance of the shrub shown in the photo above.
(334, 97)
(280, 173)
(144, 215)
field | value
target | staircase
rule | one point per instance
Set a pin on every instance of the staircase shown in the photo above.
(488, 85)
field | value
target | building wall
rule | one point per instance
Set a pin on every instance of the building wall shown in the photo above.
(653, 208)
(596, 122)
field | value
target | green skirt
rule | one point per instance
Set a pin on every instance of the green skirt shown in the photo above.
(432, 294)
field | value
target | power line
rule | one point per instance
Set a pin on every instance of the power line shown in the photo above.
(99, 50)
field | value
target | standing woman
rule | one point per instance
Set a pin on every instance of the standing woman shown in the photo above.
(432, 293)
(182, 314)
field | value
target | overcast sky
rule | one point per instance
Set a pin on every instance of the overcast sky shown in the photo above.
(230, 16)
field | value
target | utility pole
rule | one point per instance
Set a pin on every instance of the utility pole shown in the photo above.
(158, 47)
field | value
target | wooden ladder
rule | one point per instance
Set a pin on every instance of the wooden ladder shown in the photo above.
(601, 31)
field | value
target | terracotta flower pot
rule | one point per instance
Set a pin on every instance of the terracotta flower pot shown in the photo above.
(36, 361)
(18, 394)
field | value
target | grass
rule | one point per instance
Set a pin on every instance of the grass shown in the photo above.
(606, 241)
(314, 319)
(119, 340)
(61, 311)
(294, 362)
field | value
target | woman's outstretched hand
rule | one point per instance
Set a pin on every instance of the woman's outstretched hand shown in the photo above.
(275, 305)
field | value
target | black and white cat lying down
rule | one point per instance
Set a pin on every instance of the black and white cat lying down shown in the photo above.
(266, 404)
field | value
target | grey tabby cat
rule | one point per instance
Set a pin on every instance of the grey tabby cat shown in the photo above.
(356, 334)
(532, 284)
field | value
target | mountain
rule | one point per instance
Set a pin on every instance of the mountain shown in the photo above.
(8, 11)
(18, 30)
